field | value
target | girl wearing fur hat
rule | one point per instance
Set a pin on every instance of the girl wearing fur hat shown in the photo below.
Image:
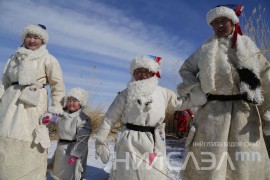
(229, 80)
(140, 108)
(23, 141)
(73, 128)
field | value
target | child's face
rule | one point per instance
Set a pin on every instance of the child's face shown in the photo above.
(73, 104)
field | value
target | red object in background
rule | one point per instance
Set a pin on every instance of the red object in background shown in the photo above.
(182, 118)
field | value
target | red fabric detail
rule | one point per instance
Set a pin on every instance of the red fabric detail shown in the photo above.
(190, 112)
(158, 59)
(236, 32)
(238, 10)
(157, 74)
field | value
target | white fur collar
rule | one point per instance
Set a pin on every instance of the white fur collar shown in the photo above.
(139, 93)
(67, 114)
(27, 66)
(246, 54)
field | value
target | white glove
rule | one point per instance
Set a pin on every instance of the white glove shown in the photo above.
(197, 96)
(41, 135)
(102, 151)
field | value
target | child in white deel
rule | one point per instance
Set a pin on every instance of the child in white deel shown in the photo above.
(73, 129)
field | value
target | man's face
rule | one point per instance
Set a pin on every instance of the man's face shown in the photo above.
(222, 26)
(142, 73)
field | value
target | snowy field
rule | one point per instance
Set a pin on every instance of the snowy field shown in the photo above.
(96, 170)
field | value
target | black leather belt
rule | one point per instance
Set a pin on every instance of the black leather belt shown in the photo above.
(142, 129)
(66, 141)
(212, 97)
(17, 83)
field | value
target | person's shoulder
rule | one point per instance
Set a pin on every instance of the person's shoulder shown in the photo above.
(122, 93)
(247, 40)
(160, 88)
(165, 90)
(205, 46)
(246, 43)
(83, 115)
(50, 58)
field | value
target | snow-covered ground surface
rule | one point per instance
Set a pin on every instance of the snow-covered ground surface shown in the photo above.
(96, 170)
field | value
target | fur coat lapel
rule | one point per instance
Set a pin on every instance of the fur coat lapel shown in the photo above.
(139, 93)
(27, 67)
(247, 67)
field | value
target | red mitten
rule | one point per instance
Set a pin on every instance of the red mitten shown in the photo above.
(46, 120)
(49, 117)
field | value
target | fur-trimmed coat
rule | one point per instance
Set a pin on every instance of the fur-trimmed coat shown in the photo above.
(21, 108)
(228, 143)
(132, 146)
(72, 127)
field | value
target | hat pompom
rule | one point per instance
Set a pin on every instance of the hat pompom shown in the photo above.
(37, 29)
(80, 94)
(149, 62)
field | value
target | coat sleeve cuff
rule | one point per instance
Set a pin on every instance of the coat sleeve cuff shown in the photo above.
(184, 90)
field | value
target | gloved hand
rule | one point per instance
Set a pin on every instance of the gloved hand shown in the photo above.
(102, 151)
(72, 159)
(197, 96)
(49, 117)
(41, 135)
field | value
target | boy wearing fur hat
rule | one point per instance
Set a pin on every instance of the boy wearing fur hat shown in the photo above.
(23, 141)
(73, 129)
(229, 79)
(140, 108)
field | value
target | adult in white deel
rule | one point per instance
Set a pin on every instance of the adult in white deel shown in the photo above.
(229, 79)
(23, 140)
(140, 108)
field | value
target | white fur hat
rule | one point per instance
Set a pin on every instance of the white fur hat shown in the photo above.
(37, 29)
(221, 11)
(80, 94)
(149, 62)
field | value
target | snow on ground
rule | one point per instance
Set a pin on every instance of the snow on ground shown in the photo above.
(96, 170)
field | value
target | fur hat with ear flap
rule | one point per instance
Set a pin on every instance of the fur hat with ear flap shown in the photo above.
(80, 94)
(149, 62)
(37, 29)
